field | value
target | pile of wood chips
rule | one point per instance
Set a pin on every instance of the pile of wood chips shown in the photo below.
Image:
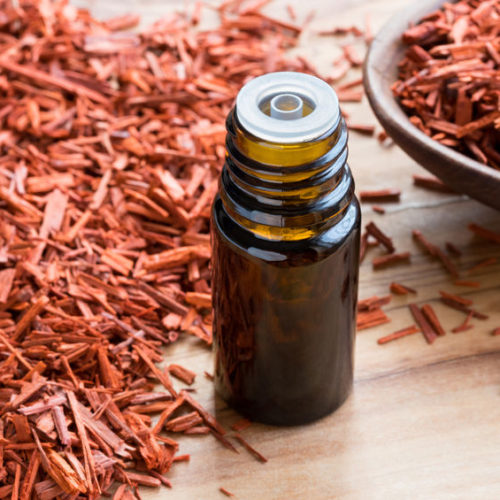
(111, 147)
(449, 80)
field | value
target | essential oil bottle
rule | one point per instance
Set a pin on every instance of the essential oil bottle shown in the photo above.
(285, 234)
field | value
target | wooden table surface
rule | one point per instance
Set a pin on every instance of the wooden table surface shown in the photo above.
(423, 420)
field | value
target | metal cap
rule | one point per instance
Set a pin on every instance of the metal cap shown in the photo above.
(286, 93)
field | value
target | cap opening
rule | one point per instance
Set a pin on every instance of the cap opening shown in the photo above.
(287, 107)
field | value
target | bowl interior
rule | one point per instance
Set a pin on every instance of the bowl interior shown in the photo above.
(460, 172)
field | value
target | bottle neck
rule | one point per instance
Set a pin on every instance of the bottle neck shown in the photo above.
(285, 191)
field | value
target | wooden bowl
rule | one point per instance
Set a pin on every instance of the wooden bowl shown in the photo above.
(463, 174)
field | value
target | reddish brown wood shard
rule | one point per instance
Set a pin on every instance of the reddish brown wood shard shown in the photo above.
(485, 233)
(6, 281)
(461, 307)
(436, 252)
(250, 449)
(455, 298)
(401, 289)
(378, 209)
(391, 259)
(432, 318)
(373, 303)
(380, 195)
(428, 332)
(484, 263)
(369, 319)
(187, 376)
(398, 334)
(373, 230)
(472, 284)
(465, 325)
(431, 183)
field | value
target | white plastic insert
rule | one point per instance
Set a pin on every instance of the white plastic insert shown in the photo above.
(287, 92)
(287, 107)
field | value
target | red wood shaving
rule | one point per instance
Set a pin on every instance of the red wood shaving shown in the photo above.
(111, 147)
(378, 209)
(427, 330)
(187, 376)
(465, 325)
(449, 78)
(431, 317)
(485, 233)
(226, 492)
(400, 289)
(373, 230)
(484, 263)
(249, 448)
(431, 183)
(391, 259)
(380, 195)
(398, 334)
(384, 140)
(352, 96)
(456, 298)
(472, 284)
(436, 252)
(373, 303)
(360, 127)
(291, 12)
(369, 319)
(461, 307)
(349, 85)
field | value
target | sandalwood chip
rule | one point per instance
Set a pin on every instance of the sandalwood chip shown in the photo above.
(6, 281)
(380, 195)
(432, 318)
(487, 234)
(250, 449)
(400, 289)
(427, 330)
(484, 263)
(226, 492)
(431, 183)
(373, 230)
(369, 319)
(187, 376)
(391, 259)
(398, 334)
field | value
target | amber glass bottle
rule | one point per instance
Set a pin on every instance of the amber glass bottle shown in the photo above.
(285, 230)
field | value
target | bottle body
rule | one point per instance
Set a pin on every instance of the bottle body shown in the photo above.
(285, 234)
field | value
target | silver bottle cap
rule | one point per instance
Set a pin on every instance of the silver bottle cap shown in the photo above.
(286, 93)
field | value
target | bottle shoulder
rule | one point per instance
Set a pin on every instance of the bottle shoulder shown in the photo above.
(326, 238)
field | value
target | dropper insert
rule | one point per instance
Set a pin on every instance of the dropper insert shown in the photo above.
(287, 107)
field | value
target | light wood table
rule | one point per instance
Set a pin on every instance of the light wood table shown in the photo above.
(422, 421)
